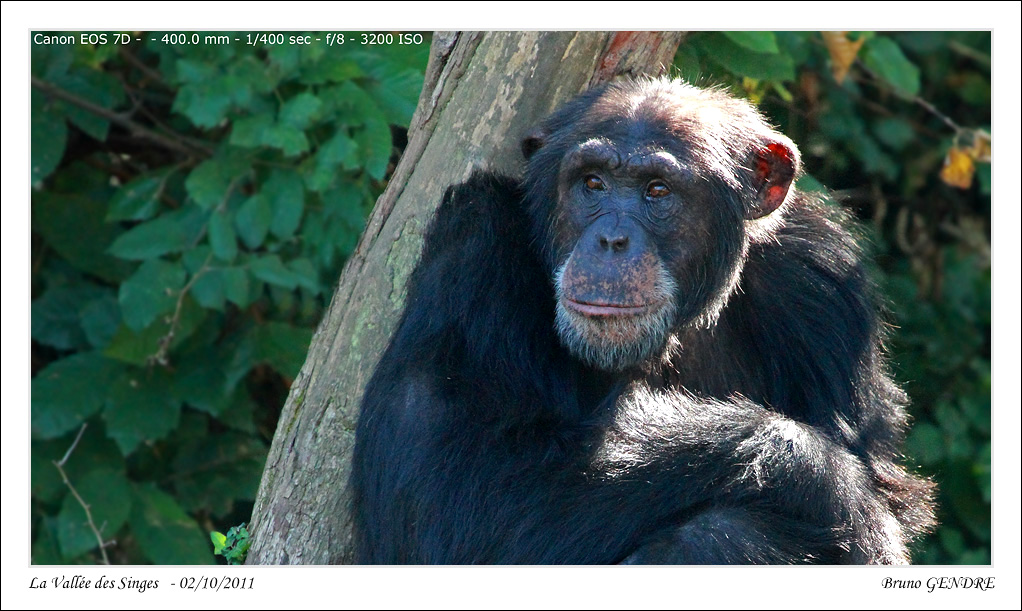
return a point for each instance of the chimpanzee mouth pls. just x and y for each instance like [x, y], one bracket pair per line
[610, 310]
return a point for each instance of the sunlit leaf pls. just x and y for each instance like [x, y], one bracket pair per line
[884, 57]
[842, 52]
[757, 42]
[958, 168]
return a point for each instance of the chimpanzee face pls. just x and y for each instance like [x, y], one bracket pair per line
[645, 206]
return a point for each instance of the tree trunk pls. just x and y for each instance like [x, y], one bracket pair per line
[481, 94]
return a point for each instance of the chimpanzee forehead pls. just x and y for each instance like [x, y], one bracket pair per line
[651, 140]
[657, 120]
[636, 153]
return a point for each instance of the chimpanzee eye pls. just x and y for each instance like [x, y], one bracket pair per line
[594, 182]
[657, 189]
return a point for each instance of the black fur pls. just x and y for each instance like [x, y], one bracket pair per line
[765, 431]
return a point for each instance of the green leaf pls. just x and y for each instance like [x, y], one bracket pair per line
[192, 71]
[270, 269]
[239, 413]
[153, 290]
[220, 470]
[108, 495]
[300, 111]
[56, 318]
[757, 42]
[208, 183]
[138, 347]
[49, 138]
[68, 391]
[205, 103]
[375, 146]
[73, 226]
[94, 451]
[896, 133]
[165, 533]
[239, 541]
[200, 381]
[720, 50]
[236, 286]
[99, 88]
[100, 319]
[286, 195]
[808, 183]
[139, 199]
[288, 139]
[397, 94]
[253, 220]
[884, 57]
[284, 58]
[50, 61]
[208, 289]
[222, 238]
[321, 171]
[306, 274]
[140, 408]
[167, 233]
[44, 548]
[283, 346]
[247, 76]
[330, 69]
[799, 46]
[250, 131]
[219, 540]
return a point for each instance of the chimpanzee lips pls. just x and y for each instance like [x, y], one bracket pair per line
[607, 309]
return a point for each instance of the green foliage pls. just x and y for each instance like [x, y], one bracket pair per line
[177, 279]
[233, 546]
[868, 139]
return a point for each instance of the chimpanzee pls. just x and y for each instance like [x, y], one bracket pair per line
[651, 349]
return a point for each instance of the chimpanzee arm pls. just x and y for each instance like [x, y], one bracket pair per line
[758, 487]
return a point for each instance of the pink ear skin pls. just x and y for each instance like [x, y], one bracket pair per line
[775, 169]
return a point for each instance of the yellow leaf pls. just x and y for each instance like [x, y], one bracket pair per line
[958, 168]
[842, 52]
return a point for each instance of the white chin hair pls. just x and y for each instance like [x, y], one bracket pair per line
[619, 342]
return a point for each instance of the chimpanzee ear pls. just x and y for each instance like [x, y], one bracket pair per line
[534, 141]
[774, 167]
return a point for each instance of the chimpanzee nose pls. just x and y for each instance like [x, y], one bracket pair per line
[618, 243]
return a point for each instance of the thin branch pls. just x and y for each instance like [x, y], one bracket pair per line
[141, 107]
[153, 75]
[916, 99]
[135, 128]
[67, 455]
[164, 345]
[161, 354]
[947, 120]
[88, 514]
[964, 50]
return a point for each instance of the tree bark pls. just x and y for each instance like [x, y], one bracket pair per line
[482, 92]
